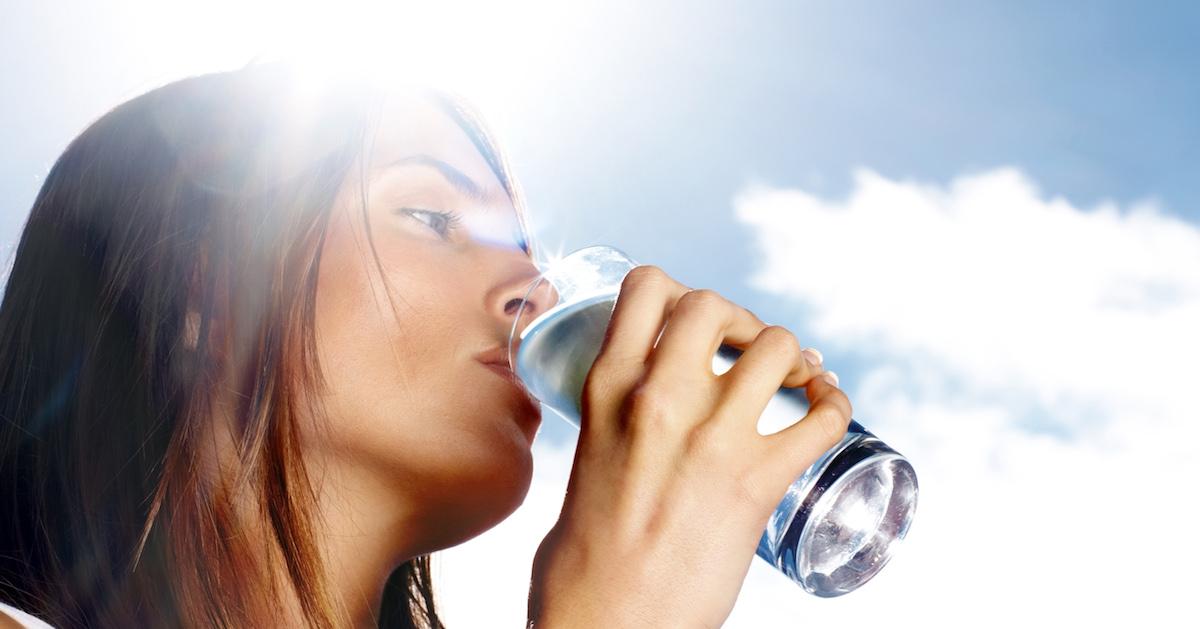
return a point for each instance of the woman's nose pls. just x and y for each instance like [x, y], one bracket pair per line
[504, 302]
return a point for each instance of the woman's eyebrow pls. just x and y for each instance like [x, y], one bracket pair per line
[457, 178]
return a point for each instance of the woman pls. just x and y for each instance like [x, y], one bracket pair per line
[252, 373]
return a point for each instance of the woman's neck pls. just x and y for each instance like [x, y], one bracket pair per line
[363, 531]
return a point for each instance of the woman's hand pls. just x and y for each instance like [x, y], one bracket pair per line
[672, 484]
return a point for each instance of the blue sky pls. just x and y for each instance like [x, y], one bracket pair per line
[1096, 100]
[672, 107]
[969, 207]
[676, 104]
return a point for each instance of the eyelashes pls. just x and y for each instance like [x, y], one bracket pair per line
[444, 223]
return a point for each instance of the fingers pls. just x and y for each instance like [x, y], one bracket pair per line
[701, 321]
[647, 295]
[773, 360]
[796, 447]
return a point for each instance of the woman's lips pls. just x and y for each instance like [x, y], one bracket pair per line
[495, 355]
[534, 409]
[501, 369]
[496, 359]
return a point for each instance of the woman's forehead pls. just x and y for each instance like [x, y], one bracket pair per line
[412, 126]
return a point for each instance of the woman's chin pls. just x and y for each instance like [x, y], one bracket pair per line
[508, 491]
[475, 507]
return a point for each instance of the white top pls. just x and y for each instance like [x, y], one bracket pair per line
[25, 620]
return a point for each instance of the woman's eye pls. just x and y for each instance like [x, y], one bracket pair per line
[441, 222]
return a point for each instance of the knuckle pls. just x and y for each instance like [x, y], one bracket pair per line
[703, 299]
[707, 441]
[648, 409]
[780, 339]
[644, 276]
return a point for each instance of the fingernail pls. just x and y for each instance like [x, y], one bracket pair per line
[830, 377]
[813, 357]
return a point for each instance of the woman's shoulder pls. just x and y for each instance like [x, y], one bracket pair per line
[13, 618]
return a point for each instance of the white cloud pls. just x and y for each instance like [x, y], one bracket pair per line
[1033, 359]
[1030, 357]
[1011, 293]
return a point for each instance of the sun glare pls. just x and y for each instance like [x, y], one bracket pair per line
[496, 55]
[489, 52]
[493, 53]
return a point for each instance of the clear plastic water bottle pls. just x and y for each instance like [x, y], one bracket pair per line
[840, 520]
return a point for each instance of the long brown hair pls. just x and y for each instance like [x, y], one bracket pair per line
[172, 251]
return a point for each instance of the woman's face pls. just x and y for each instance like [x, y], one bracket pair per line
[416, 420]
